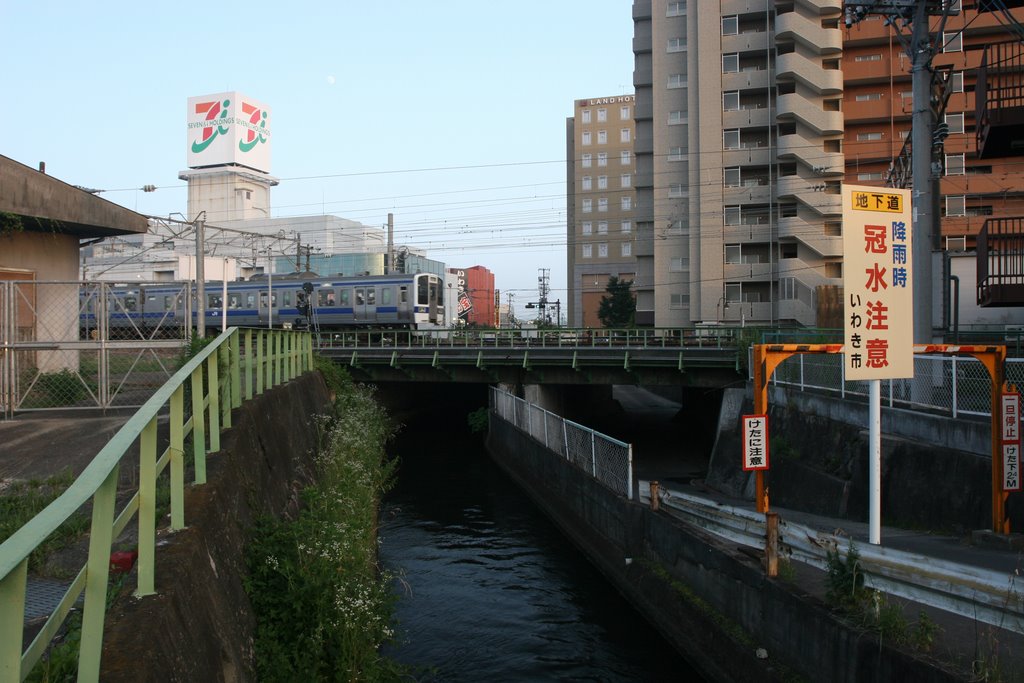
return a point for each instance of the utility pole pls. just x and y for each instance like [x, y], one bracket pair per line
[542, 289]
[200, 226]
[389, 258]
[919, 48]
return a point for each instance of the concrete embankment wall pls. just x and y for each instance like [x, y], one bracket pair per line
[936, 472]
[717, 608]
[199, 626]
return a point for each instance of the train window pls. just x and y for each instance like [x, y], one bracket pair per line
[421, 292]
[360, 299]
[213, 301]
[168, 303]
[130, 303]
[263, 299]
[403, 295]
[386, 296]
[371, 296]
[287, 298]
[433, 291]
[250, 301]
[234, 302]
[346, 297]
[325, 297]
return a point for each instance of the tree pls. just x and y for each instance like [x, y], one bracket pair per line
[618, 307]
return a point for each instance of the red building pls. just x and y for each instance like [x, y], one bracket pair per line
[476, 296]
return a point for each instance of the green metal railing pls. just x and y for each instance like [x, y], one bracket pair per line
[251, 362]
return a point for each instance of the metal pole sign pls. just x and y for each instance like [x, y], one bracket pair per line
[878, 324]
[755, 442]
[1010, 404]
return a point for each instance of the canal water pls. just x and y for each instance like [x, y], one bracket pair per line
[489, 589]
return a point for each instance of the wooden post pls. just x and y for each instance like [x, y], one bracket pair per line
[771, 546]
[654, 496]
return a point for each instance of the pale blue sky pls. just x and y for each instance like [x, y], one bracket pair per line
[357, 91]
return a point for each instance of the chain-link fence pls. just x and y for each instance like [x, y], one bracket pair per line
[608, 460]
[954, 384]
[86, 344]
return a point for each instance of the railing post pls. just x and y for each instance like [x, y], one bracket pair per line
[235, 358]
[213, 380]
[800, 356]
[227, 400]
[147, 507]
[565, 438]
[198, 426]
[259, 362]
[629, 472]
[177, 457]
[12, 622]
[953, 399]
[97, 571]
[593, 454]
[249, 351]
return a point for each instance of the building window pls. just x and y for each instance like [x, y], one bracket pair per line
[602, 204]
[732, 215]
[588, 205]
[602, 158]
[602, 182]
[587, 182]
[732, 177]
[953, 41]
[624, 135]
[869, 136]
[956, 80]
[586, 137]
[955, 164]
[678, 300]
[626, 180]
[588, 251]
[869, 176]
[602, 227]
[626, 157]
[731, 100]
[624, 113]
[678, 265]
[588, 228]
[602, 115]
[675, 153]
[956, 205]
[733, 254]
[955, 122]
[677, 80]
[602, 137]
[868, 58]
[627, 203]
[731, 138]
[676, 117]
[676, 44]
[602, 250]
[676, 9]
[627, 249]
[730, 25]
[869, 97]
[585, 161]
[731, 63]
[585, 115]
[675, 190]
[627, 226]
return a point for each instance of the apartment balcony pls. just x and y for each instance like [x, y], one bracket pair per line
[1000, 253]
[642, 43]
[751, 192]
[999, 101]
[809, 151]
[810, 112]
[796, 67]
[742, 80]
[746, 118]
[642, 9]
[746, 272]
[855, 73]
[643, 77]
[806, 31]
[745, 42]
[753, 154]
[748, 232]
[811, 234]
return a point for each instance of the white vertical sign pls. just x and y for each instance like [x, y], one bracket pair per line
[1010, 429]
[877, 283]
[755, 442]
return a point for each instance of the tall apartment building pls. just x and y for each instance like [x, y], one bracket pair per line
[878, 112]
[601, 202]
[739, 158]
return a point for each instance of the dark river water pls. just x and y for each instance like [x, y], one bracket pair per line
[491, 591]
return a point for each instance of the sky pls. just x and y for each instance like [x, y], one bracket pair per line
[450, 114]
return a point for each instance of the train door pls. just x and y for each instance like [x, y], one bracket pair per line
[365, 305]
[268, 308]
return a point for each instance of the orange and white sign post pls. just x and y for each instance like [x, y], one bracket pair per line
[879, 309]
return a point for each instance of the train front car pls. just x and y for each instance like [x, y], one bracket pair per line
[428, 310]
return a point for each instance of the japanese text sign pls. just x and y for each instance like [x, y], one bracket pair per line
[755, 442]
[1010, 428]
[877, 283]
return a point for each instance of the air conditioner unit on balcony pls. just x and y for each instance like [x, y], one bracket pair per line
[956, 243]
